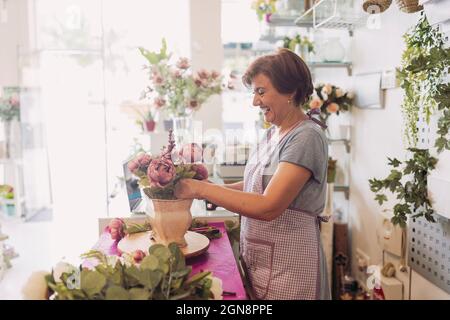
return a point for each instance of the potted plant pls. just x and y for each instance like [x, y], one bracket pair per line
[7, 193]
[264, 8]
[9, 111]
[170, 217]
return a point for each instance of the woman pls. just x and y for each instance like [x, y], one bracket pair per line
[283, 192]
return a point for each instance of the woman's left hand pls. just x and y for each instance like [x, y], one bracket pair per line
[188, 189]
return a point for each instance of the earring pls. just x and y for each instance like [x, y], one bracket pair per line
[289, 101]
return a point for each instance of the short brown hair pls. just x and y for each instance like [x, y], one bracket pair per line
[287, 72]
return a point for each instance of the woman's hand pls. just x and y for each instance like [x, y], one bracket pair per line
[189, 189]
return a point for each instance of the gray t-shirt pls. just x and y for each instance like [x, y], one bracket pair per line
[306, 146]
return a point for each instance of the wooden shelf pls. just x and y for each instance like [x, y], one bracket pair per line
[345, 189]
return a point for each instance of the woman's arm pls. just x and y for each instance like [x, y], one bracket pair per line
[284, 186]
[235, 186]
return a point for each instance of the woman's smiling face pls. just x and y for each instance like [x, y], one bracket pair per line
[274, 105]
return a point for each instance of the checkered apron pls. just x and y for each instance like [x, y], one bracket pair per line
[281, 258]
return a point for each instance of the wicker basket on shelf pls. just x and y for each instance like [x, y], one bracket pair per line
[376, 6]
[409, 6]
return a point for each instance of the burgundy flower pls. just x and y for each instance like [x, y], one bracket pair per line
[191, 153]
[201, 173]
[198, 82]
[138, 255]
[161, 172]
[116, 229]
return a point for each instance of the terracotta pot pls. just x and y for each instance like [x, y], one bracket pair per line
[170, 220]
[150, 125]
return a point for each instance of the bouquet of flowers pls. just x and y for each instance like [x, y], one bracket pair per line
[329, 99]
[159, 175]
[9, 108]
[174, 87]
[159, 274]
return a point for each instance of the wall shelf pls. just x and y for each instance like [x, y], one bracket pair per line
[346, 142]
[345, 189]
[346, 65]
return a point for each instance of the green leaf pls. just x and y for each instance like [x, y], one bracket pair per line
[116, 293]
[160, 251]
[380, 198]
[150, 262]
[139, 294]
[394, 162]
[92, 282]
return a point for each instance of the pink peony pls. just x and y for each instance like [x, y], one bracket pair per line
[201, 171]
[183, 63]
[333, 107]
[116, 229]
[161, 172]
[141, 163]
[315, 103]
[191, 153]
[138, 255]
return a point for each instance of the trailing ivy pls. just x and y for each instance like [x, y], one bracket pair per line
[443, 100]
[424, 63]
[412, 194]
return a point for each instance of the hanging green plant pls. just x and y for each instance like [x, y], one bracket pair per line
[443, 100]
[412, 193]
[424, 64]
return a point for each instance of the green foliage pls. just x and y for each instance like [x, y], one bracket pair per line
[412, 195]
[424, 63]
[162, 275]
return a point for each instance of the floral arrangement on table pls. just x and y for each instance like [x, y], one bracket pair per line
[6, 191]
[159, 175]
[159, 274]
[264, 8]
[330, 100]
[9, 108]
[174, 88]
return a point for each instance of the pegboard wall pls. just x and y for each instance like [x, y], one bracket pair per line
[429, 250]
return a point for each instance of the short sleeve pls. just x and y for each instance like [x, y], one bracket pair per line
[307, 148]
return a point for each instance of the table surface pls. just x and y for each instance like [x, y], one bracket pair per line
[219, 259]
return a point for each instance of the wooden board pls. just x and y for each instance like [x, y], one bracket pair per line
[196, 243]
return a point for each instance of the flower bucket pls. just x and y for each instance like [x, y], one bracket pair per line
[170, 220]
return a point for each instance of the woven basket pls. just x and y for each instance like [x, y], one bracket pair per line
[409, 6]
[370, 6]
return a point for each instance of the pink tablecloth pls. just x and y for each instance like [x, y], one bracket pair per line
[219, 259]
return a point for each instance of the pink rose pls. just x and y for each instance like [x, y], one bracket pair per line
[201, 171]
[160, 172]
[333, 107]
[116, 229]
[138, 255]
[315, 103]
[183, 63]
[191, 153]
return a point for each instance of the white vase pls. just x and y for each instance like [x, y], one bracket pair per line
[170, 220]
[333, 50]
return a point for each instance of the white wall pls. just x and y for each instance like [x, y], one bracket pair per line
[377, 134]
